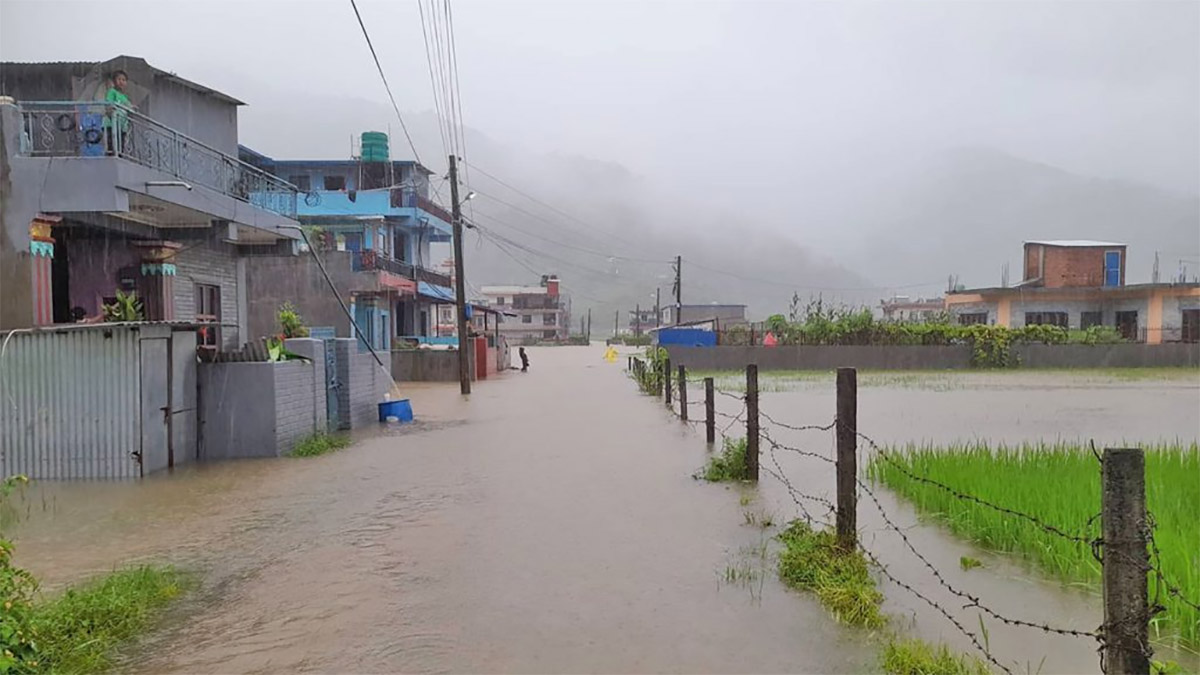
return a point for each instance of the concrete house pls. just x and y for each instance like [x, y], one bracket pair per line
[98, 197]
[371, 220]
[532, 313]
[1080, 284]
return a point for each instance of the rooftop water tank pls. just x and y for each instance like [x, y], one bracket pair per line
[374, 146]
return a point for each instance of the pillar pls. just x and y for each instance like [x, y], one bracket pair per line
[156, 279]
[41, 252]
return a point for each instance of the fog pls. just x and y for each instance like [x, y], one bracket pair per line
[810, 147]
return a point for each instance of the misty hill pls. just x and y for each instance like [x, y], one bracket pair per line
[968, 211]
[610, 232]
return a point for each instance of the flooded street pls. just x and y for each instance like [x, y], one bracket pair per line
[550, 523]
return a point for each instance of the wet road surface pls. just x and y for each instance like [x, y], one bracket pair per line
[547, 524]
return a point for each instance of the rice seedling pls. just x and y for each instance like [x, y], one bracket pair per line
[1059, 483]
[812, 561]
[916, 657]
[729, 465]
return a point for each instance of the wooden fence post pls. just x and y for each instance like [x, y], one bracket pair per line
[752, 422]
[1124, 531]
[666, 381]
[683, 394]
[710, 412]
[847, 460]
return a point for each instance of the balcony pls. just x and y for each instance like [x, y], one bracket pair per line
[412, 200]
[90, 129]
[368, 261]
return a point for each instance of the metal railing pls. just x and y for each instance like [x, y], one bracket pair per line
[367, 261]
[91, 129]
[407, 198]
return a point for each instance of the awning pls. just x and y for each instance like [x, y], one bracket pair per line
[435, 293]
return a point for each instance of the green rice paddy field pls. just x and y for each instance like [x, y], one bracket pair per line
[1060, 484]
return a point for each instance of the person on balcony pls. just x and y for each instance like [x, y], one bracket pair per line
[118, 115]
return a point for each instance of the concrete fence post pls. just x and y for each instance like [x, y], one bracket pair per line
[1124, 531]
[710, 412]
[683, 401]
[847, 459]
[752, 422]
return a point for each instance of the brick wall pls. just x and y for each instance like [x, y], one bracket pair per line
[363, 384]
[295, 388]
[208, 262]
[1077, 266]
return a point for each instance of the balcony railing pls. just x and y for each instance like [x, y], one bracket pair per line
[90, 129]
[410, 199]
[366, 261]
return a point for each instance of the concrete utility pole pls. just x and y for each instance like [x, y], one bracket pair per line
[589, 328]
[637, 320]
[460, 282]
[616, 322]
[658, 307]
[678, 287]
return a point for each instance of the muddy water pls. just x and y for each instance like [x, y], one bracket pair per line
[550, 524]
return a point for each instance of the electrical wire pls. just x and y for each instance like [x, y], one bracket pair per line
[573, 247]
[386, 86]
[784, 284]
[437, 105]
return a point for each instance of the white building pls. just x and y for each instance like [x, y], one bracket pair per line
[532, 312]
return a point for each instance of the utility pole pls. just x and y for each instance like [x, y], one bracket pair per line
[678, 287]
[460, 282]
[616, 322]
[637, 320]
[658, 307]
[589, 327]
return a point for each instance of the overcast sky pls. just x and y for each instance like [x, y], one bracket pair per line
[773, 90]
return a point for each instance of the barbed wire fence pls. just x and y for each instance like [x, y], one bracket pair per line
[1124, 544]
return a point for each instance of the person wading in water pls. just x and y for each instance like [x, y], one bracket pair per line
[524, 359]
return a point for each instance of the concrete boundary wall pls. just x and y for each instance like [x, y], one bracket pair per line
[953, 357]
[429, 365]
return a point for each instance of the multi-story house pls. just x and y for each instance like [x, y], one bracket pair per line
[371, 221]
[147, 197]
[120, 179]
[1080, 284]
[531, 313]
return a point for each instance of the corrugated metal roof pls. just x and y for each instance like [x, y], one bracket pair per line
[1069, 243]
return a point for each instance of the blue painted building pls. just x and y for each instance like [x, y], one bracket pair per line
[372, 220]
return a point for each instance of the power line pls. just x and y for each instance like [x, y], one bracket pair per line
[437, 105]
[583, 249]
[386, 86]
[784, 284]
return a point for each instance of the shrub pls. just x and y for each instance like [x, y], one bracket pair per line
[291, 323]
[319, 443]
[811, 560]
[729, 465]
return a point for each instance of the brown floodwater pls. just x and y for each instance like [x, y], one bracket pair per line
[549, 523]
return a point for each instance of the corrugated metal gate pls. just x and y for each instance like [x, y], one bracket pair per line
[96, 401]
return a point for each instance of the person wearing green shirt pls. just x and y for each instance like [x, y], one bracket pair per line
[119, 105]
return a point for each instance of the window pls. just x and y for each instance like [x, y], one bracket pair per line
[1089, 319]
[208, 309]
[500, 300]
[335, 182]
[548, 334]
[548, 319]
[528, 318]
[301, 182]
[972, 318]
[1191, 325]
[1046, 319]
[1127, 325]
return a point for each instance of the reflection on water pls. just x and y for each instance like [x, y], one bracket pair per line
[548, 523]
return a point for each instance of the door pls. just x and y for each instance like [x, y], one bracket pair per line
[1112, 268]
[183, 447]
[1127, 325]
[155, 368]
[385, 330]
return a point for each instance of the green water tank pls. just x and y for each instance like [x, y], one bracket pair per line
[374, 146]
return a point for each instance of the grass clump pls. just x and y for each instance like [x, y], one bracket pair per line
[729, 464]
[1059, 483]
[812, 561]
[319, 443]
[917, 657]
[79, 631]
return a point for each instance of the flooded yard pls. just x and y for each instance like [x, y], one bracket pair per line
[550, 523]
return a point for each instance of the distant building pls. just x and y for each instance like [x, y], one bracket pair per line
[726, 315]
[531, 313]
[1080, 284]
[642, 320]
[904, 308]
